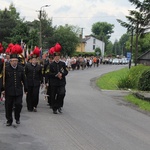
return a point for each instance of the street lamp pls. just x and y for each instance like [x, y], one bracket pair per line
[40, 11]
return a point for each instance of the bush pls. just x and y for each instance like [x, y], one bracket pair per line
[131, 80]
[124, 83]
[144, 81]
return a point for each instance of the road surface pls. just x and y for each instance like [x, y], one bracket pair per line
[91, 120]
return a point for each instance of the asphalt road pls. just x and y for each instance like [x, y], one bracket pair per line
[91, 120]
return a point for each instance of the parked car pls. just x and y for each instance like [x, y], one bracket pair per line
[115, 61]
[124, 61]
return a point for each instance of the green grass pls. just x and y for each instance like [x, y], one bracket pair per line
[109, 81]
[144, 105]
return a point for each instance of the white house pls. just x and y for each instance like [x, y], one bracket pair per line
[91, 43]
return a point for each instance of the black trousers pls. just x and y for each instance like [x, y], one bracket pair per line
[57, 96]
[1, 85]
[49, 95]
[13, 102]
[32, 98]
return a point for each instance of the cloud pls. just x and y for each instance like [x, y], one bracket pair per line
[82, 13]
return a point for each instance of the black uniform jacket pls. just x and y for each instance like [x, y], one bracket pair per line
[33, 74]
[54, 69]
[14, 80]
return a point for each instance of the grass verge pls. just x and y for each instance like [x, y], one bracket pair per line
[110, 80]
[144, 105]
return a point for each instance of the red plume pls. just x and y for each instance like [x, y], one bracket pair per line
[51, 50]
[8, 50]
[58, 47]
[10, 46]
[16, 49]
[1, 48]
[36, 51]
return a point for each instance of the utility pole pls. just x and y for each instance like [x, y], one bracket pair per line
[81, 37]
[131, 46]
[40, 18]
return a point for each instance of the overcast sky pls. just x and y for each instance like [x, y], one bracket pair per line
[82, 13]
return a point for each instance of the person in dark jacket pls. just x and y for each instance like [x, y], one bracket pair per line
[1, 69]
[33, 72]
[48, 80]
[58, 72]
[14, 81]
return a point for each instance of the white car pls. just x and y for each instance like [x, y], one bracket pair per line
[115, 61]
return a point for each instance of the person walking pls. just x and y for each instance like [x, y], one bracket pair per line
[47, 77]
[14, 80]
[33, 72]
[58, 72]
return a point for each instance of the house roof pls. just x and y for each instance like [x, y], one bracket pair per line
[140, 57]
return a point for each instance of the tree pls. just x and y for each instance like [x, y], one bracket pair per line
[9, 22]
[138, 21]
[103, 31]
[98, 51]
[116, 48]
[122, 42]
[67, 36]
[109, 48]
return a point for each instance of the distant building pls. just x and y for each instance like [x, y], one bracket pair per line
[90, 43]
[144, 58]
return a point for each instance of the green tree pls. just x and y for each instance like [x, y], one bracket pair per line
[138, 21]
[9, 21]
[109, 48]
[98, 51]
[103, 31]
[20, 32]
[67, 36]
[122, 42]
[116, 48]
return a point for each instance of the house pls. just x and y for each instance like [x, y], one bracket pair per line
[144, 58]
[90, 43]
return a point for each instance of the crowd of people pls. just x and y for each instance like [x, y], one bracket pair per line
[18, 77]
[76, 63]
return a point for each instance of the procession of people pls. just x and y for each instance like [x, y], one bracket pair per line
[18, 77]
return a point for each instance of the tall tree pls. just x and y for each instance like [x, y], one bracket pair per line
[138, 21]
[103, 31]
[67, 36]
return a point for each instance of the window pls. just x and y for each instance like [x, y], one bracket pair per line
[93, 47]
[94, 41]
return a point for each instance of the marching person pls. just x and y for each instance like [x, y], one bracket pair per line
[1, 69]
[47, 77]
[58, 72]
[33, 72]
[14, 81]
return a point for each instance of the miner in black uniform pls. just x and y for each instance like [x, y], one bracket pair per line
[48, 79]
[14, 81]
[58, 72]
[1, 74]
[34, 76]
[1, 69]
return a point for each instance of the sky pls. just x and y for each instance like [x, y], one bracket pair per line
[81, 13]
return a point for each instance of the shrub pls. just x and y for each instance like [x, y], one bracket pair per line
[131, 80]
[124, 83]
[144, 81]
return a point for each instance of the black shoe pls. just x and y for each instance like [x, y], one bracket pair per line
[59, 110]
[17, 122]
[54, 111]
[8, 123]
[34, 109]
